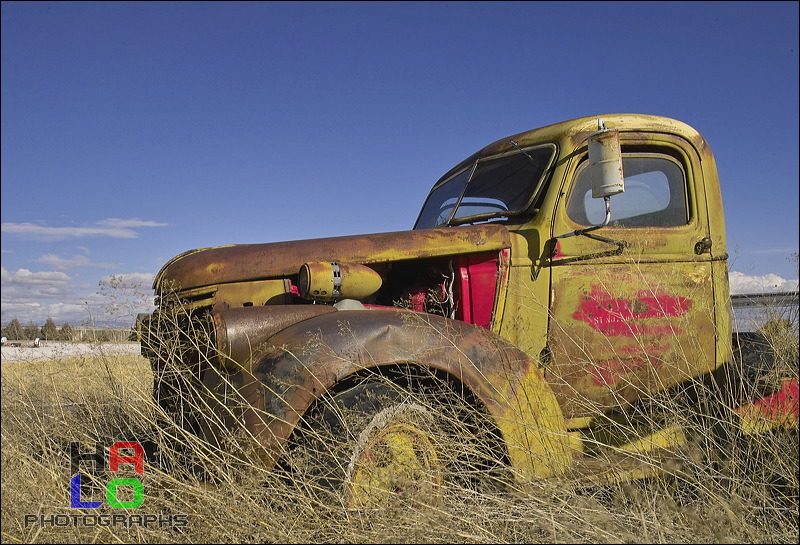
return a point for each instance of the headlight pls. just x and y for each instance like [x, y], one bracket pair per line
[331, 281]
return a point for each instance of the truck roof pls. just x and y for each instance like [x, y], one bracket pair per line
[578, 129]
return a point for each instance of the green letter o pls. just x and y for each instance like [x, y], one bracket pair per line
[111, 493]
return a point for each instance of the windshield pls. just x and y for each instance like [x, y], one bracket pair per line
[492, 189]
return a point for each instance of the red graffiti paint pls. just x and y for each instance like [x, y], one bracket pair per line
[610, 372]
[782, 406]
[635, 358]
[625, 317]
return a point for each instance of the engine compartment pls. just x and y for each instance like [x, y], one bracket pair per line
[460, 287]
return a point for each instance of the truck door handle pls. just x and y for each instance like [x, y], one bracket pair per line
[702, 246]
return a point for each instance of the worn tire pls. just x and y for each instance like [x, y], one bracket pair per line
[377, 445]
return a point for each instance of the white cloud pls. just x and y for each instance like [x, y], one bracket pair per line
[26, 278]
[131, 222]
[110, 227]
[25, 294]
[37, 313]
[33, 297]
[743, 283]
[62, 264]
[133, 279]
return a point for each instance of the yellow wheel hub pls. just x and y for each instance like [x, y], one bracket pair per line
[398, 464]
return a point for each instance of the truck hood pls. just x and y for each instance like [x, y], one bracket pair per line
[247, 262]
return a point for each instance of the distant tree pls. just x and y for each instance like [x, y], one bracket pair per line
[31, 331]
[66, 332]
[13, 331]
[49, 330]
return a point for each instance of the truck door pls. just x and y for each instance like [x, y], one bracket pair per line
[631, 312]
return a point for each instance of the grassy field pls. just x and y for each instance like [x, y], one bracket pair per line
[102, 398]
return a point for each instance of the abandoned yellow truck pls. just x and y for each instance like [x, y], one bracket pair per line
[557, 284]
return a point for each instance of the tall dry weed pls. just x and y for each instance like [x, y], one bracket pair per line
[725, 486]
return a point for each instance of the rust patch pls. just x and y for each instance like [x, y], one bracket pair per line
[624, 317]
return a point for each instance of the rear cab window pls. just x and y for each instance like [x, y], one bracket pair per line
[655, 195]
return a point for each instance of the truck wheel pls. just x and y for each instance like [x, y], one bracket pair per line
[377, 445]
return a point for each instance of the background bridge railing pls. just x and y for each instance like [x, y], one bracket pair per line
[752, 310]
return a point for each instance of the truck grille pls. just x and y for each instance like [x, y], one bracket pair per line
[178, 339]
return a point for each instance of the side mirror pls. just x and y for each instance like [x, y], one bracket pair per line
[605, 163]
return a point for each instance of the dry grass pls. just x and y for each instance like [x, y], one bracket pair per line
[748, 496]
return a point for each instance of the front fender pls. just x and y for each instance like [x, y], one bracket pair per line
[297, 365]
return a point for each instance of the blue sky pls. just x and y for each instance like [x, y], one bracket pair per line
[133, 131]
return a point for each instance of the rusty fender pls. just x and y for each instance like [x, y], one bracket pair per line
[242, 332]
[297, 365]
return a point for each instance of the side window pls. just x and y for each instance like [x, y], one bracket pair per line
[655, 195]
